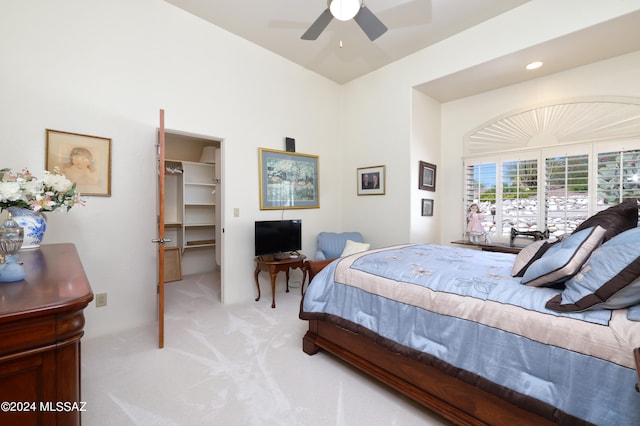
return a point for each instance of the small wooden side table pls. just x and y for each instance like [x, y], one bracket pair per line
[272, 265]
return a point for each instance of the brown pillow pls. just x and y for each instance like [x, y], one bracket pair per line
[615, 219]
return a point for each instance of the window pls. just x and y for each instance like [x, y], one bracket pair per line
[618, 177]
[555, 194]
[506, 193]
[519, 196]
[481, 190]
[566, 193]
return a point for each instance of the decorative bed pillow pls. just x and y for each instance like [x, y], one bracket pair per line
[529, 254]
[610, 279]
[563, 259]
[615, 219]
[351, 247]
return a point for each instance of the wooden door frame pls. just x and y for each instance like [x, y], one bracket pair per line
[161, 215]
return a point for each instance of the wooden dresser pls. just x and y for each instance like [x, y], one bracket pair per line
[41, 323]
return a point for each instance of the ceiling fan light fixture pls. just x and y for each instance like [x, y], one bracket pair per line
[344, 10]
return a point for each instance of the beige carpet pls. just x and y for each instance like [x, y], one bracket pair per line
[230, 365]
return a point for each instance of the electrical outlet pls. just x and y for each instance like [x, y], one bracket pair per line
[101, 300]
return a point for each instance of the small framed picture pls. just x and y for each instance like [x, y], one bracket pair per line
[427, 175]
[427, 207]
[371, 180]
[83, 159]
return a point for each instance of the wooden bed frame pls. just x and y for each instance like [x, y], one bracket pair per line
[446, 395]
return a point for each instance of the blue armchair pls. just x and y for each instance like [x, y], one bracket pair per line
[331, 244]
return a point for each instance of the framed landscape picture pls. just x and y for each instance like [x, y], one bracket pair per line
[288, 180]
[83, 159]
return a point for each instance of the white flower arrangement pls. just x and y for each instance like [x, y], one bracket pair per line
[52, 192]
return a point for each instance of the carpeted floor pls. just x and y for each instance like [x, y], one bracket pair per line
[230, 365]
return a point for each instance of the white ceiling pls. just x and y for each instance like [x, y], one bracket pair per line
[606, 40]
[413, 25]
[278, 24]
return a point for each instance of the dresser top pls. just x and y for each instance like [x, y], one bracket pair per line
[55, 282]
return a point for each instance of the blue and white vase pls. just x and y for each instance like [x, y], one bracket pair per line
[34, 224]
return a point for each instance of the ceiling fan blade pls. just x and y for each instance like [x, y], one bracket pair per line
[318, 26]
[369, 23]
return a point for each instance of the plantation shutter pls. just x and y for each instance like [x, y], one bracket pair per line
[566, 193]
[618, 177]
[480, 184]
[519, 195]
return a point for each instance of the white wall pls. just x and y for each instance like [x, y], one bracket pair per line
[376, 131]
[105, 68]
[425, 129]
[381, 116]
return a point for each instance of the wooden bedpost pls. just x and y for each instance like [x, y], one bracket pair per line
[309, 346]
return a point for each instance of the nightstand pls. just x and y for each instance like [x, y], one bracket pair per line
[273, 265]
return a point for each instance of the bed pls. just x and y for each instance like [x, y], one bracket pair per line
[455, 330]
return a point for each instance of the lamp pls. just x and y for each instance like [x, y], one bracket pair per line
[208, 155]
[344, 10]
[493, 213]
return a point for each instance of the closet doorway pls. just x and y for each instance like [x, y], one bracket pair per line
[189, 209]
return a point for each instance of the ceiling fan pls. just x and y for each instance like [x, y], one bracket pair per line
[345, 10]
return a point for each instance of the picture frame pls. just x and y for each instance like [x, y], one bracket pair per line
[427, 176]
[83, 159]
[371, 180]
[288, 180]
[427, 207]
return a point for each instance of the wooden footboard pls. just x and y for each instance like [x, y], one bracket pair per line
[448, 396]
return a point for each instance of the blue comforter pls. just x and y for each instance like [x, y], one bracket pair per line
[463, 307]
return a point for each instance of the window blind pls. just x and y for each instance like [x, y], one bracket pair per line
[519, 196]
[481, 185]
[558, 191]
[566, 193]
[618, 177]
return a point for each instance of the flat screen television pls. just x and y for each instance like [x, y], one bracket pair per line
[278, 237]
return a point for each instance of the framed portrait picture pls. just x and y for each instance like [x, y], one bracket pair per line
[371, 180]
[427, 207]
[427, 176]
[288, 180]
[83, 159]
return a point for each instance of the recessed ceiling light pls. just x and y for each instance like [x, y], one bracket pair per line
[534, 65]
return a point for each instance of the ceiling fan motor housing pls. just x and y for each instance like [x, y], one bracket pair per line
[344, 10]
[360, 13]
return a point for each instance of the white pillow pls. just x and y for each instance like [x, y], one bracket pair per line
[351, 247]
